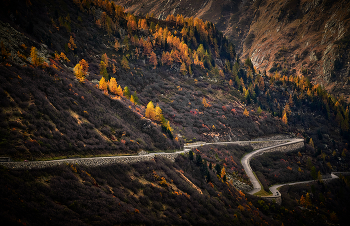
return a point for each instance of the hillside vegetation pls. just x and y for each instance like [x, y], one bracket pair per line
[87, 78]
[79, 79]
[298, 37]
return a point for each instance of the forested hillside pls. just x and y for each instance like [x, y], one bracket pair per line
[84, 78]
[299, 37]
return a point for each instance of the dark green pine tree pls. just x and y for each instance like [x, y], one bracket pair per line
[190, 155]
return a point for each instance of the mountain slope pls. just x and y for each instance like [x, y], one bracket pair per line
[47, 112]
[290, 36]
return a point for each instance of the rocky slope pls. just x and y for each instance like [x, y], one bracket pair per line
[289, 36]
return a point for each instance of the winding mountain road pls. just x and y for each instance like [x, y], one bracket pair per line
[274, 188]
[262, 147]
[247, 168]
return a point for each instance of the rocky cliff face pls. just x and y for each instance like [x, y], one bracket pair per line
[309, 37]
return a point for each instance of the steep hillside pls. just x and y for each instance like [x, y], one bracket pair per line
[51, 108]
[289, 37]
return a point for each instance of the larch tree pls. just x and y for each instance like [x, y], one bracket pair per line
[79, 73]
[105, 59]
[246, 113]
[126, 92]
[113, 86]
[287, 109]
[103, 70]
[132, 99]
[119, 91]
[205, 103]
[150, 111]
[36, 60]
[223, 172]
[183, 68]
[102, 84]
[71, 44]
[84, 66]
[167, 126]
[136, 98]
[158, 113]
[311, 142]
[284, 118]
[153, 60]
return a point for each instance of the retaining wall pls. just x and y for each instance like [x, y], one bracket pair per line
[91, 162]
[99, 161]
[283, 148]
[277, 199]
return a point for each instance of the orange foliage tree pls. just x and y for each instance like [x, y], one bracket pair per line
[36, 60]
[71, 43]
[84, 65]
[153, 59]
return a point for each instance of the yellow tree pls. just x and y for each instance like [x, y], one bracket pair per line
[153, 59]
[167, 125]
[246, 113]
[79, 73]
[311, 142]
[104, 58]
[158, 113]
[285, 119]
[223, 172]
[119, 91]
[287, 109]
[205, 103]
[113, 86]
[34, 55]
[132, 99]
[150, 111]
[103, 84]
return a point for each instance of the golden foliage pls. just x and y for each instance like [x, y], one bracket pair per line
[36, 61]
[103, 84]
[285, 119]
[79, 73]
[158, 113]
[150, 111]
[71, 44]
[113, 86]
[205, 103]
[246, 113]
[153, 59]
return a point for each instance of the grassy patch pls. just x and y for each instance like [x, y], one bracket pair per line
[262, 192]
